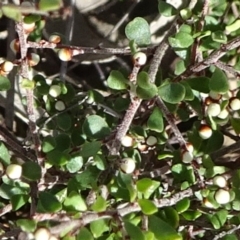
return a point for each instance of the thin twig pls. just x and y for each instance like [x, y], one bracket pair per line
[211, 59]
[83, 50]
[224, 233]
[131, 208]
[29, 92]
[227, 68]
[124, 126]
[30, 111]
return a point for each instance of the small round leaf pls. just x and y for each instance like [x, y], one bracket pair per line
[31, 171]
[155, 121]
[139, 31]
[95, 127]
[148, 93]
[166, 9]
[172, 92]
[49, 202]
[147, 206]
[116, 80]
[219, 82]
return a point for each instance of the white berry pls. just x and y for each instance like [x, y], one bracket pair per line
[55, 91]
[33, 59]
[140, 58]
[151, 141]
[127, 141]
[222, 196]
[215, 95]
[220, 181]
[223, 114]
[187, 157]
[189, 147]
[213, 109]
[42, 233]
[127, 165]
[60, 106]
[55, 38]
[65, 54]
[7, 66]
[14, 171]
[28, 27]
[234, 104]
[205, 132]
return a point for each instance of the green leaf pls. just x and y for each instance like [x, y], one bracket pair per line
[200, 84]
[31, 18]
[90, 149]
[139, 31]
[132, 192]
[48, 144]
[53, 5]
[27, 84]
[143, 80]
[219, 218]
[155, 121]
[182, 205]
[18, 201]
[98, 227]
[4, 83]
[4, 155]
[148, 93]
[88, 177]
[189, 96]
[235, 122]
[75, 164]
[230, 237]
[95, 127]
[181, 40]
[12, 11]
[100, 205]
[133, 231]
[7, 191]
[74, 202]
[149, 235]
[233, 26]
[31, 171]
[116, 80]
[57, 157]
[170, 215]
[219, 36]
[166, 9]
[147, 206]
[214, 143]
[172, 92]
[64, 121]
[162, 230]
[27, 225]
[219, 82]
[147, 186]
[180, 67]
[191, 215]
[84, 234]
[49, 202]
[63, 141]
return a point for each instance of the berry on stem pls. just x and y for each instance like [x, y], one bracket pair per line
[205, 131]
